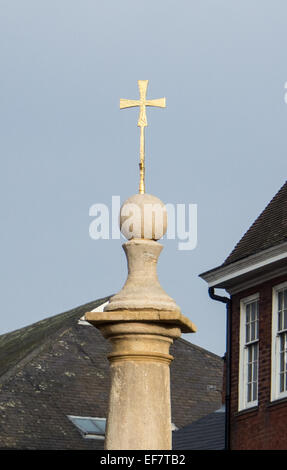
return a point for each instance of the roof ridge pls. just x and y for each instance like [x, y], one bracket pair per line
[68, 313]
[249, 237]
[19, 344]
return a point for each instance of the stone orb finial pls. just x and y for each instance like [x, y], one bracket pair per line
[143, 216]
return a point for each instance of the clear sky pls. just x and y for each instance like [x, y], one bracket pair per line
[221, 143]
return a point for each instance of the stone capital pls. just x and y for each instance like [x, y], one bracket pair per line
[163, 318]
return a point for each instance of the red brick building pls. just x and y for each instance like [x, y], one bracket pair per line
[255, 277]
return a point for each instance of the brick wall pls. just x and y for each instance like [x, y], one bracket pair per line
[264, 426]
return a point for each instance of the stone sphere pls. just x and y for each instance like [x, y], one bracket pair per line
[143, 216]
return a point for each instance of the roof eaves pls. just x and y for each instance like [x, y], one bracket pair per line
[218, 277]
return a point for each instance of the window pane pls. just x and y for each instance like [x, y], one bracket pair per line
[252, 372]
[253, 311]
[253, 337]
[247, 332]
[282, 310]
[101, 425]
[249, 394]
[281, 382]
[247, 313]
[280, 298]
[282, 342]
[85, 424]
[255, 373]
[249, 354]
[257, 320]
[254, 391]
[279, 320]
[249, 373]
[282, 363]
[251, 321]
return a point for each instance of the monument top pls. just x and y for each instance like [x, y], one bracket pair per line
[142, 123]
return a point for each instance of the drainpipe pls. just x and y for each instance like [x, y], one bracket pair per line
[227, 301]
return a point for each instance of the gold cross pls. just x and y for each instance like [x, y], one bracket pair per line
[142, 122]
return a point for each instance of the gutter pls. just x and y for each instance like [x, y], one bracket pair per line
[227, 301]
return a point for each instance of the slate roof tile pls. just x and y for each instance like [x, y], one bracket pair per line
[208, 433]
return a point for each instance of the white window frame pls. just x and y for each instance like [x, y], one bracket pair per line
[87, 434]
[243, 351]
[275, 346]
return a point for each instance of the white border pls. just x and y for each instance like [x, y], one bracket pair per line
[222, 274]
[242, 376]
[275, 356]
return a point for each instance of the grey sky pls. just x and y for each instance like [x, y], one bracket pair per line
[65, 145]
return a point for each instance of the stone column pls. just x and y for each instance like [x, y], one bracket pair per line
[139, 409]
[141, 322]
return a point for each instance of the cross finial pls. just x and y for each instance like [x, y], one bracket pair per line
[142, 122]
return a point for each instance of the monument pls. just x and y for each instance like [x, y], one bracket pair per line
[141, 322]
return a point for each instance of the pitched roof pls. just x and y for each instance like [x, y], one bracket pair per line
[17, 345]
[208, 433]
[58, 367]
[53, 370]
[268, 230]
